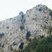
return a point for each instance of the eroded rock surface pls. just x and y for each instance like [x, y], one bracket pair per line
[15, 32]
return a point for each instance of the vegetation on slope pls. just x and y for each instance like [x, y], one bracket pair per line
[42, 44]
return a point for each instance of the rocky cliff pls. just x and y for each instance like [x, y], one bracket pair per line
[16, 32]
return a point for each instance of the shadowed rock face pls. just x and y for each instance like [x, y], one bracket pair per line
[36, 22]
[22, 20]
[28, 34]
[1, 35]
[21, 45]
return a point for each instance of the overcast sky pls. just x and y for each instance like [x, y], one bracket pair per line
[11, 8]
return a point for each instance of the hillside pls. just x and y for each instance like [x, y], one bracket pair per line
[15, 33]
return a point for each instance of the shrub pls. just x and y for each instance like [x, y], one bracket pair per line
[7, 27]
[28, 34]
[40, 9]
[21, 27]
[21, 45]
[45, 45]
[40, 45]
[50, 13]
[1, 35]
[31, 46]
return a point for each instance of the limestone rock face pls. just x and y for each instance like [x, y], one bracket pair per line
[14, 32]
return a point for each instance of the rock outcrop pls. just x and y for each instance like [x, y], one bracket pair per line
[15, 32]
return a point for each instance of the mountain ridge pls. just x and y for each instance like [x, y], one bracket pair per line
[15, 32]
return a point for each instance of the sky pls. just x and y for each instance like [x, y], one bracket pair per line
[11, 8]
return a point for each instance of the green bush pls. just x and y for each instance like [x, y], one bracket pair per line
[31, 46]
[50, 13]
[43, 44]
[1, 35]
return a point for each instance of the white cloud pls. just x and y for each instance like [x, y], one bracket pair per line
[11, 8]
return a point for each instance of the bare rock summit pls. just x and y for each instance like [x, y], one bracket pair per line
[15, 32]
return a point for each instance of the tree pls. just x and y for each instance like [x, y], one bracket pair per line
[40, 45]
[45, 45]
